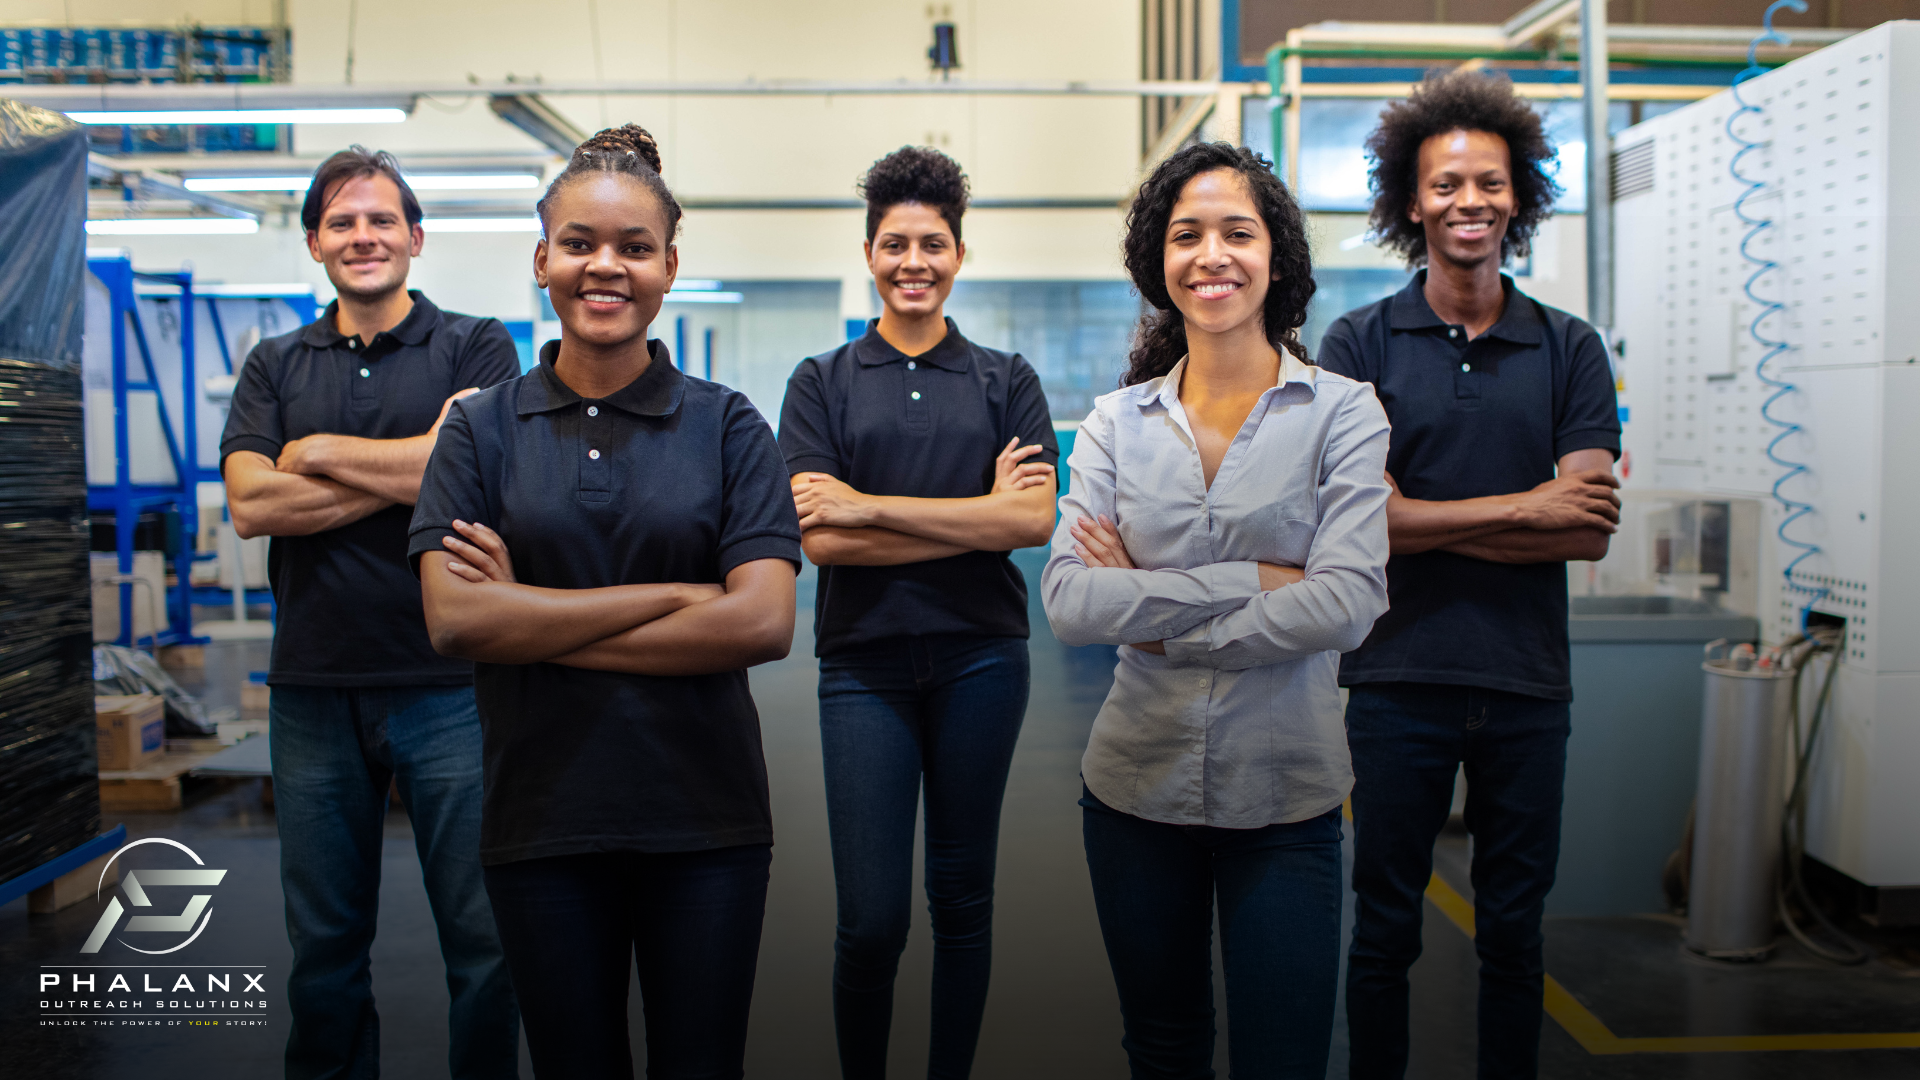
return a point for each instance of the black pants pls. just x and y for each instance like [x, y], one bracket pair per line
[690, 919]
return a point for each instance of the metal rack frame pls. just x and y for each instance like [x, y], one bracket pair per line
[127, 500]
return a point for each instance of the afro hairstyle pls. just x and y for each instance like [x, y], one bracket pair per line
[1457, 100]
[914, 174]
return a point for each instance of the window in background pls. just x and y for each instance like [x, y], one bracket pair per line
[1074, 333]
[1340, 290]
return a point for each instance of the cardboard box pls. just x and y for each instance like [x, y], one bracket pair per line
[131, 730]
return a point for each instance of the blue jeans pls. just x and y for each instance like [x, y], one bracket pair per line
[1408, 741]
[689, 920]
[947, 708]
[1278, 888]
[336, 753]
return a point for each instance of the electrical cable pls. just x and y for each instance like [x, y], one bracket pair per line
[1793, 509]
[1793, 824]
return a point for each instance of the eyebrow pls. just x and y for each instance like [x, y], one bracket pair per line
[628, 231]
[1196, 221]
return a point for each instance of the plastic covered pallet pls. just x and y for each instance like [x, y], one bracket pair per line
[49, 787]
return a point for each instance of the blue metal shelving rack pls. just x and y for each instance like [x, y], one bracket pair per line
[127, 500]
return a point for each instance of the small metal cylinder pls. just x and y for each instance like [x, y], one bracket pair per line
[1738, 810]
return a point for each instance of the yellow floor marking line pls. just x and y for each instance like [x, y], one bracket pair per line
[1595, 1038]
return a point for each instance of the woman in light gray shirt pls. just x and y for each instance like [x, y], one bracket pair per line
[1226, 526]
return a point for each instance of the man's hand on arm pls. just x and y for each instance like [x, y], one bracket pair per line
[843, 526]
[388, 468]
[264, 501]
[1569, 518]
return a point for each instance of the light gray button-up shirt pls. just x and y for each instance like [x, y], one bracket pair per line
[1239, 725]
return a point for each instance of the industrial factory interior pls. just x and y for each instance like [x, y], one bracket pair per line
[1108, 538]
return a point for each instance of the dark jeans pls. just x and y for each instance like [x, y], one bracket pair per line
[947, 708]
[336, 753]
[1408, 740]
[691, 922]
[1278, 889]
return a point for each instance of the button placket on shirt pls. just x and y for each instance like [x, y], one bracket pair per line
[596, 464]
[915, 396]
[1466, 384]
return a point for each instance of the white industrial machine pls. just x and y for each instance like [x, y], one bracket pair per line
[1769, 349]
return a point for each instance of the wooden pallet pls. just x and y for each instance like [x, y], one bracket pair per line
[156, 787]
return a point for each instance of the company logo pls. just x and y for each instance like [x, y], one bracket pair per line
[134, 885]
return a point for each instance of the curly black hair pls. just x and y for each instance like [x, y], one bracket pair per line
[1160, 340]
[1457, 100]
[630, 150]
[914, 174]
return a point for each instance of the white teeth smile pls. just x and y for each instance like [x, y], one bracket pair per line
[1211, 291]
[602, 298]
[1471, 228]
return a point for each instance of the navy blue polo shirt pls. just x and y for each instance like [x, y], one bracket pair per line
[349, 610]
[928, 427]
[1491, 416]
[669, 479]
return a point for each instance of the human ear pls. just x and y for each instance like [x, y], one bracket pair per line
[313, 246]
[540, 263]
[417, 239]
[673, 265]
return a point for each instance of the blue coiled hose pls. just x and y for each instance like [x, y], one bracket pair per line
[1772, 347]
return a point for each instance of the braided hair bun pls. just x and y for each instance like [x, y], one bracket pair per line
[625, 139]
[630, 150]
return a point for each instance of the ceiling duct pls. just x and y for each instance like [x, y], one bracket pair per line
[538, 119]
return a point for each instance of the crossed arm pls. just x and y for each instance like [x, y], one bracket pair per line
[476, 610]
[322, 482]
[1567, 518]
[844, 527]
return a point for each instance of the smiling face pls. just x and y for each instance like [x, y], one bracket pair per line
[914, 256]
[1219, 255]
[364, 239]
[607, 259]
[1465, 196]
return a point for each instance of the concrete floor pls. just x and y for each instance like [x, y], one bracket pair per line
[1053, 1012]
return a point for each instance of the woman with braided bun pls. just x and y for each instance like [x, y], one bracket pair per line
[612, 543]
[919, 460]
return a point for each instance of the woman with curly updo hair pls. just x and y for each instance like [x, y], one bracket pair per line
[1225, 526]
[611, 541]
[919, 460]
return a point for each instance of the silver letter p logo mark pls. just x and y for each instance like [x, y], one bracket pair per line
[135, 884]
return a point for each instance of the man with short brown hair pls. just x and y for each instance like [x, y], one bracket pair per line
[330, 431]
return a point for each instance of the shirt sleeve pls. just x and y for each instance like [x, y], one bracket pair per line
[757, 516]
[253, 420]
[1029, 418]
[450, 488]
[1345, 590]
[1590, 412]
[1340, 351]
[490, 357]
[806, 427]
[1089, 605]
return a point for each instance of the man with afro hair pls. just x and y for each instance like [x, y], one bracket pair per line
[1505, 430]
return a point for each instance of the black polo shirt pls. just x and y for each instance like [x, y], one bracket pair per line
[928, 427]
[1491, 416]
[668, 479]
[349, 610]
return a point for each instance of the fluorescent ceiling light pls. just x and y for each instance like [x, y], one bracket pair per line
[478, 182]
[472, 224]
[243, 116]
[695, 285]
[678, 297]
[171, 226]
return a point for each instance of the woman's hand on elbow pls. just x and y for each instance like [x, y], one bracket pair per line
[1098, 543]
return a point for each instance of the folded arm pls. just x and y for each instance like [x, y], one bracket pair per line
[1333, 607]
[832, 545]
[267, 502]
[1582, 497]
[842, 526]
[389, 468]
[751, 623]
[1543, 543]
[1089, 602]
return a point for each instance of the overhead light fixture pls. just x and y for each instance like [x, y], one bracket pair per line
[678, 297]
[696, 285]
[241, 116]
[183, 226]
[478, 182]
[482, 224]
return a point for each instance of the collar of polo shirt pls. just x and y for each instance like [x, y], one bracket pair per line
[1519, 323]
[949, 355]
[420, 323]
[657, 392]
